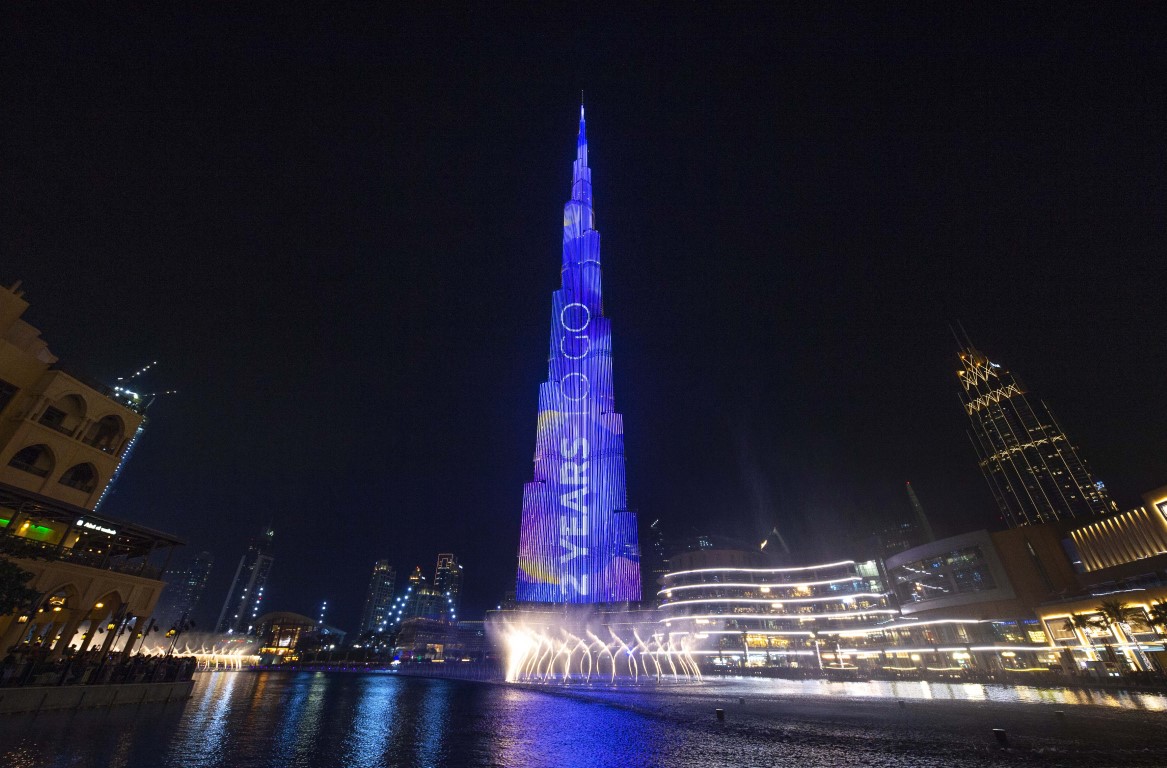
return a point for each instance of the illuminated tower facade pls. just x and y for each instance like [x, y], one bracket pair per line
[244, 599]
[1032, 470]
[578, 542]
[379, 599]
[448, 581]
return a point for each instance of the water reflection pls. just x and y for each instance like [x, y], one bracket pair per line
[301, 720]
[572, 733]
[1153, 702]
[434, 720]
[289, 720]
[203, 735]
[366, 745]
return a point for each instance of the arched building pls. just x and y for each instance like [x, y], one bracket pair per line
[62, 440]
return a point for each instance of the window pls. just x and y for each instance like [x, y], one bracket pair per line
[53, 417]
[106, 434]
[83, 477]
[35, 459]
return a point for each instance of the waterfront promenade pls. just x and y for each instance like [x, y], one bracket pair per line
[30, 682]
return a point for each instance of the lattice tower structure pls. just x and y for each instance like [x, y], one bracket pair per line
[1033, 471]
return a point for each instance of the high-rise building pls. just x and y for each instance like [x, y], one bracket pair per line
[420, 601]
[655, 555]
[244, 600]
[578, 542]
[183, 591]
[375, 616]
[1032, 469]
[448, 581]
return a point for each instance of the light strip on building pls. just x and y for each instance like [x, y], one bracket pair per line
[757, 585]
[770, 601]
[795, 617]
[762, 570]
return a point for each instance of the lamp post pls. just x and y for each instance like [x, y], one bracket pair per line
[182, 625]
[143, 635]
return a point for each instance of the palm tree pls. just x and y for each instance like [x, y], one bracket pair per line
[1112, 613]
[1157, 617]
[1080, 622]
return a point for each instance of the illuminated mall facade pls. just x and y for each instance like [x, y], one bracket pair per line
[733, 609]
[1072, 585]
[1026, 600]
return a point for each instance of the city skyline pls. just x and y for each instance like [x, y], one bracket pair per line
[344, 278]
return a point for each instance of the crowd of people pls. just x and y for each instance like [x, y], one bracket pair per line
[23, 667]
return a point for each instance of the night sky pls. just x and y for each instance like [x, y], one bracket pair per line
[338, 234]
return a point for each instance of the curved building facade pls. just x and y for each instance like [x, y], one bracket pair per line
[731, 609]
[723, 608]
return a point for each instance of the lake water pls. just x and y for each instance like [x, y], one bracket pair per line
[319, 720]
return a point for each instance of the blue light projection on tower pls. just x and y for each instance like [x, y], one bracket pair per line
[578, 542]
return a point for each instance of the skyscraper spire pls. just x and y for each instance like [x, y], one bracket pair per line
[581, 175]
[578, 543]
[921, 518]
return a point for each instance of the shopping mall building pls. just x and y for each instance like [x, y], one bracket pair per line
[988, 603]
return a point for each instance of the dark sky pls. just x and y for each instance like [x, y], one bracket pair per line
[337, 233]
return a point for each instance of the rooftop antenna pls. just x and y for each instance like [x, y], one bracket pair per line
[777, 536]
[955, 336]
[967, 340]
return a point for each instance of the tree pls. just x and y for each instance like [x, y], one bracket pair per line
[14, 594]
[1112, 613]
[1157, 617]
[1084, 624]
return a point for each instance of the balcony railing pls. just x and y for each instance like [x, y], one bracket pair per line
[32, 469]
[57, 427]
[102, 444]
[16, 546]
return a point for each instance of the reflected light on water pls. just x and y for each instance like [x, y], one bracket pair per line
[922, 690]
[203, 735]
[367, 743]
[322, 720]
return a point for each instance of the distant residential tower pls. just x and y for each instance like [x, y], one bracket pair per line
[244, 600]
[448, 581]
[379, 599]
[183, 591]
